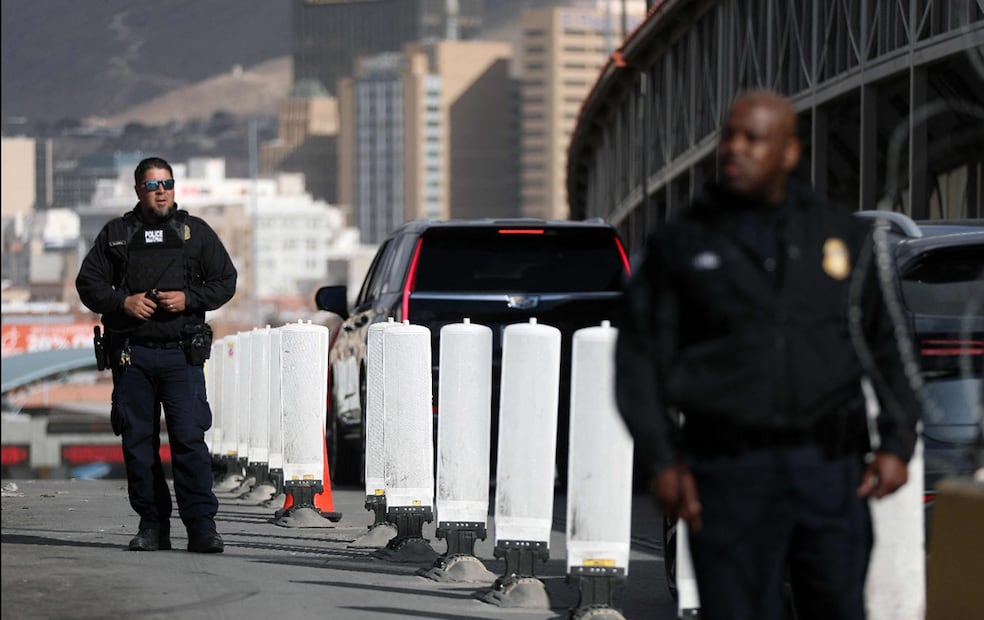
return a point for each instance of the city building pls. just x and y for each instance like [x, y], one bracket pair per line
[428, 133]
[307, 140]
[562, 50]
[330, 35]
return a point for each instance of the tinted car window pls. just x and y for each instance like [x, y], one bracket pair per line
[954, 419]
[544, 261]
[403, 245]
[372, 276]
[945, 282]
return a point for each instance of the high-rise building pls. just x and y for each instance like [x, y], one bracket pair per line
[562, 49]
[307, 141]
[330, 34]
[428, 133]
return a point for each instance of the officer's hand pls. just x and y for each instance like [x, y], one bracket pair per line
[172, 301]
[139, 306]
[676, 492]
[883, 476]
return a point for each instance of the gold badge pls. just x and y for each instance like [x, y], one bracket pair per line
[836, 261]
[187, 232]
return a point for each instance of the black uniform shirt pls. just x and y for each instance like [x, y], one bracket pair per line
[712, 328]
[210, 279]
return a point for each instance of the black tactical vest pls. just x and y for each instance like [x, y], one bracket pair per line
[156, 256]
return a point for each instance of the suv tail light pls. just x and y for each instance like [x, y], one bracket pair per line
[950, 347]
[408, 285]
[520, 231]
[625, 257]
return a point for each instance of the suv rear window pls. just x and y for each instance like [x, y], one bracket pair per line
[541, 260]
[944, 282]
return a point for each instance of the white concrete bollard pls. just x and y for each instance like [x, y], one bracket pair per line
[227, 378]
[304, 387]
[243, 404]
[464, 426]
[230, 388]
[408, 444]
[526, 458]
[213, 392]
[304, 392]
[896, 585]
[258, 435]
[408, 417]
[259, 389]
[599, 481]
[275, 456]
[244, 352]
[688, 597]
[463, 450]
[527, 432]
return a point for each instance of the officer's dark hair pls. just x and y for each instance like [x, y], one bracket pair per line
[147, 164]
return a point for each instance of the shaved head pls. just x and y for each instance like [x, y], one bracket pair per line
[759, 147]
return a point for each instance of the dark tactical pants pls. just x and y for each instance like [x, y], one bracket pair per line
[162, 377]
[766, 509]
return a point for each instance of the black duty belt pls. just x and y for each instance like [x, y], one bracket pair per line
[155, 344]
[723, 437]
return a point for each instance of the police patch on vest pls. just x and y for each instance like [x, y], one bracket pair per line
[153, 236]
[187, 232]
[836, 260]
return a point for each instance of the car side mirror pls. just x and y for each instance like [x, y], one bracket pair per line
[332, 299]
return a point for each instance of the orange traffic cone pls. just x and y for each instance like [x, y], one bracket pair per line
[303, 507]
[323, 501]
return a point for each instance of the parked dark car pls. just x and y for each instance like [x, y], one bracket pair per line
[566, 274]
[939, 266]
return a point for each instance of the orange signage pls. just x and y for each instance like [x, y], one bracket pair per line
[32, 337]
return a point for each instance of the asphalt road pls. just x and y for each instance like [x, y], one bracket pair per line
[64, 556]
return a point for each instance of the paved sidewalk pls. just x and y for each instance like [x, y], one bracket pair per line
[63, 556]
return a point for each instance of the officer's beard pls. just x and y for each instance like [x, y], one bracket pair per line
[159, 216]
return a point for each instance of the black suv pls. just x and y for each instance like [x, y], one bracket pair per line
[939, 266]
[566, 274]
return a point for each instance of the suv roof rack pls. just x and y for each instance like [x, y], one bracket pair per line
[900, 222]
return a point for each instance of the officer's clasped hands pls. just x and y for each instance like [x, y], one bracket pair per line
[143, 305]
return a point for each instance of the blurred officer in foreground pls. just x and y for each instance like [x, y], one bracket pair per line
[153, 274]
[750, 315]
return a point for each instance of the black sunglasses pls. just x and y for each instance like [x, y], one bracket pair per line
[152, 185]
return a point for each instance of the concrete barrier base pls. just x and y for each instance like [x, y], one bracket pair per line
[525, 592]
[377, 537]
[415, 550]
[302, 517]
[259, 493]
[458, 568]
[228, 483]
[597, 613]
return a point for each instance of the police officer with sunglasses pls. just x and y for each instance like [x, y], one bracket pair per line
[153, 274]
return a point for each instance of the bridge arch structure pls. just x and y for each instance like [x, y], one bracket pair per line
[889, 95]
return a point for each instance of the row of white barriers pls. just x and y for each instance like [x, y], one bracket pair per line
[268, 389]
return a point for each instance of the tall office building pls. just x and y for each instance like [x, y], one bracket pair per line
[330, 34]
[562, 50]
[429, 133]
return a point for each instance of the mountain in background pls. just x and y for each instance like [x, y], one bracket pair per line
[66, 59]
[152, 62]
